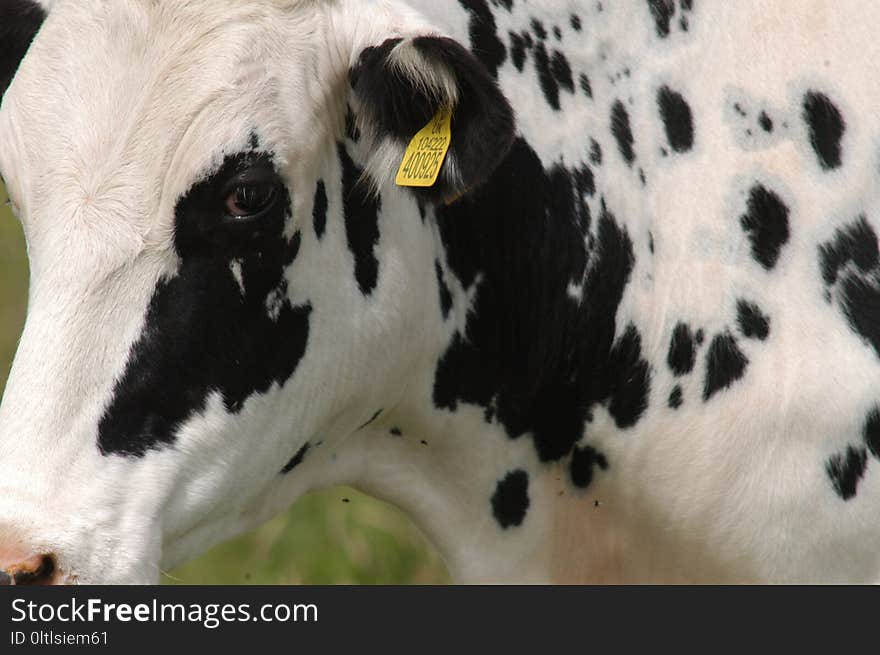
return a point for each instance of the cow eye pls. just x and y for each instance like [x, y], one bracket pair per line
[250, 199]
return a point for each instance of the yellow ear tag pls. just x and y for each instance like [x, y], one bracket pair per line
[426, 152]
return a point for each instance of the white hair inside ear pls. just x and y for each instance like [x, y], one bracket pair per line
[434, 78]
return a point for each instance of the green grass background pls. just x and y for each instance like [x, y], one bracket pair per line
[336, 536]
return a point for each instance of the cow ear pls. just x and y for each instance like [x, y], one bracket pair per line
[400, 85]
[20, 20]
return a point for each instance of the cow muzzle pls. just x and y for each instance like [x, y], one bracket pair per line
[29, 570]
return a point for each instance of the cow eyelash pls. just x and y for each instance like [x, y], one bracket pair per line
[251, 193]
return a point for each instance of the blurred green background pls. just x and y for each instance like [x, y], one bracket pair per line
[337, 536]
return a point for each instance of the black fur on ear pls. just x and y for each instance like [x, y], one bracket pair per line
[20, 20]
[400, 84]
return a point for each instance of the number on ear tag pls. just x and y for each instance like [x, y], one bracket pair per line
[426, 152]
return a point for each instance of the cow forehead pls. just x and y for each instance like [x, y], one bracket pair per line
[126, 103]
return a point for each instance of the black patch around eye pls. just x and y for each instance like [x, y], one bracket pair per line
[204, 226]
[826, 127]
[208, 329]
[766, 225]
[510, 502]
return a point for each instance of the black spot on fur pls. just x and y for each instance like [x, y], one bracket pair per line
[361, 212]
[766, 225]
[725, 364]
[485, 44]
[622, 132]
[851, 271]
[583, 462]
[585, 183]
[845, 471]
[510, 502]
[753, 323]
[517, 50]
[445, 295]
[538, 29]
[319, 209]
[682, 350]
[296, 460]
[396, 432]
[662, 11]
[675, 398]
[539, 360]
[631, 379]
[562, 71]
[871, 431]
[854, 244]
[677, 119]
[549, 83]
[575, 22]
[203, 334]
[765, 122]
[595, 152]
[585, 85]
[826, 127]
[20, 20]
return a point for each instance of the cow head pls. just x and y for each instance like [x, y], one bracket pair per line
[226, 284]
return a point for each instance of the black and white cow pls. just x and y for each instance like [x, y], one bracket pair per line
[632, 333]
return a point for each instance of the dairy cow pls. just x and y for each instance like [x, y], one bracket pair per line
[631, 333]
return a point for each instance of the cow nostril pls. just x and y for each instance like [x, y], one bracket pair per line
[37, 570]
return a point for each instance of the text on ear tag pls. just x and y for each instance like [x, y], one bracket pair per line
[426, 152]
